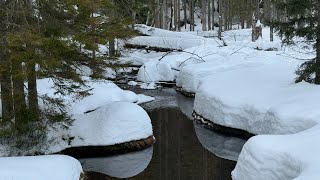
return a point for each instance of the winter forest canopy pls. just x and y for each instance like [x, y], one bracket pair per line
[249, 66]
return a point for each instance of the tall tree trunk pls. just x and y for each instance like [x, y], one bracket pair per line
[178, 16]
[191, 5]
[317, 78]
[6, 89]
[134, 14]
[220, 20]
[212, 14]
[185, 13]
[32, 90]
[204, 14]
[165, 14]
[19, 97]
[175, 15]
[112, 49]
[225, 15]
[209, 14]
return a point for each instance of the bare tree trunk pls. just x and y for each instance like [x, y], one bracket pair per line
[185, 13]
[18, 96]
[165, 14]
[209, 14]
[212, 14]
[134, 14]
[32, 90]
[225, 15]
[6, 90]
[317, 78]
[112, 49]
[204, 14]
[220, 19]
[191, 15]
[178, 15]
[157, 14]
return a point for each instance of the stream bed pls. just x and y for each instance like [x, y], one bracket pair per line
[183, 148]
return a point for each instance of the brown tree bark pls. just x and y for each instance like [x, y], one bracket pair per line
[18, 96]
[6, 89]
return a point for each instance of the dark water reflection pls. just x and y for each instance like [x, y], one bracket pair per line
[177, 154]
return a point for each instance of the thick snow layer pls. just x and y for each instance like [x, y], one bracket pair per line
[191, 75]
[102, 92]
[155, 71]
[280, 157]
[165, 42]
[121, 166]
[261, 100]
[40, 168]
[110, 124]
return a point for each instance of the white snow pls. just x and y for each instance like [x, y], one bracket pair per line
[260, 100]
[102, 92]
[113, 117]
[40, 168]
[110, 124]
[132, 83]
[149, 86]
[285, 157]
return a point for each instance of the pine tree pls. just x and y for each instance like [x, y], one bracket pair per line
[52, 39]
[302, 20]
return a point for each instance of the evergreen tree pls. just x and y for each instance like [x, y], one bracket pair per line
[302, 20]
[51, 39]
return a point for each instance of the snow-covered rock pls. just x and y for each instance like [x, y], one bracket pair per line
[40, 168]
[261, 100]
[110, 124]
[191, 75]
[101, 93]
[280, 157]
[155, 71]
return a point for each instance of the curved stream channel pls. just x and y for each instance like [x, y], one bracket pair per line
[183, 149]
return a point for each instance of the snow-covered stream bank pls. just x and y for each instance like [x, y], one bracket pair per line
[183, 148]
[242, 85]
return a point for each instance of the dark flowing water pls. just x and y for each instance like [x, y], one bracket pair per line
[183, 150]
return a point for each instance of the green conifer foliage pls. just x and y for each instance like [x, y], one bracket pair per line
[301, 19]
[51, 39]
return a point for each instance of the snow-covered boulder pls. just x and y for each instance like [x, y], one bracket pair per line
[40, 168]
[260, 100]
[280, 157]
[110, 124]
[155, 71]
[191, 75]
[101, 93]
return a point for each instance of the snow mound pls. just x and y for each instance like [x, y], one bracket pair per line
[113, 123]
[261, 100]
[155, 71]
[101, 93]
[40, 168]
[190, 76]
[156, 32]
[165, 42]
[285, 157]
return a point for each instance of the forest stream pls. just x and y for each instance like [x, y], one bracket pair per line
[183, 148]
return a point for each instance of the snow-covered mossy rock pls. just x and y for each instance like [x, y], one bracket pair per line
[112, 128]
[259, 100]
[40, 168]
[280, 157]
